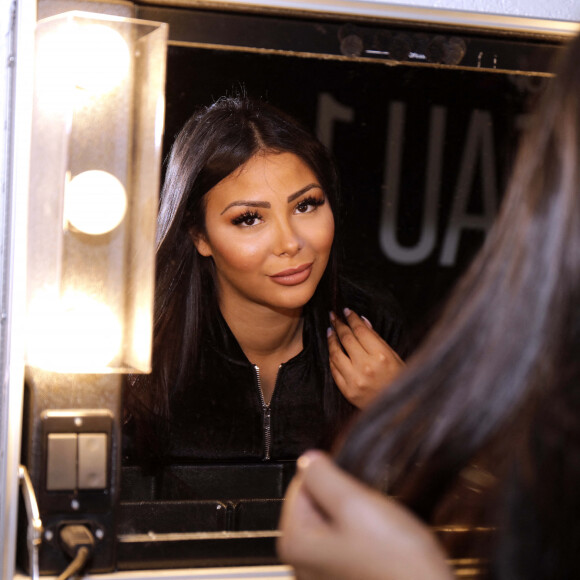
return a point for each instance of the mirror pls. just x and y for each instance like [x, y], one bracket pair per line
[422, 123]
[423, 120]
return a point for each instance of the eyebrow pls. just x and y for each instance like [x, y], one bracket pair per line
[266, 204]
[302, 191]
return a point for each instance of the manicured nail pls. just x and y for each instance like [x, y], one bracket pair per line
[367, 321]
[347, 312]
[332, 317]
[306, 458]
[329, 331]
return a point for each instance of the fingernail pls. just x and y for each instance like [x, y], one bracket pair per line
[306, 458]
[367, 321]
[329, 331]
[332, 316]
[347, 312]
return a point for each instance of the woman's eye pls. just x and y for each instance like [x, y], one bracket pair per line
[309, 204]
[247, 219]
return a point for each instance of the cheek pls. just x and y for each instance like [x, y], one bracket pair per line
[241, 255]
[322, 236]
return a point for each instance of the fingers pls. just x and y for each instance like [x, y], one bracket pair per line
[305, 530]
[355, 336]
[298, 513]
[361, 362]
[308, 519]
[354, 512]
[318, 489]
[358, 337]
[334, 526]
[326, 484]
[334, 346]
[339, 362]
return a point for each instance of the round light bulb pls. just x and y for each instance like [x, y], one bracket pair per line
[101, 57]
[95, 202]
[91, 57]
[54, 75]
[74, 334]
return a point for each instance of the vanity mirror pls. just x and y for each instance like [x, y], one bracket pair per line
[422, 118]
[422, 110]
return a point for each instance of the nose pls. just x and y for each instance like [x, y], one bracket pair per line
[288, 241]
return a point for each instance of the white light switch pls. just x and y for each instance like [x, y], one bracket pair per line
[61, 462]
[92, 461]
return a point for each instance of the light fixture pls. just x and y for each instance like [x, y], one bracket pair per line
[96, 146]
[97, 124]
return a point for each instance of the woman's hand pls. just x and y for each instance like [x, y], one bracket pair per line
[335, 527]
[367, 363]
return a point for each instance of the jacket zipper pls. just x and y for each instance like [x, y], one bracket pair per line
[266, 413]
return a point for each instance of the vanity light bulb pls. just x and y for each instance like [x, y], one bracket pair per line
[99, 62]
[95, 202]
[101, 58]
[75, 333]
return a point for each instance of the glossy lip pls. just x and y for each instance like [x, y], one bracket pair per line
[293, 276]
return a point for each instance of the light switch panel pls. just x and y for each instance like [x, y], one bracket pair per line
[78, 454]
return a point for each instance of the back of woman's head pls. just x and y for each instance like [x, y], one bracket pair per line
[508, 339]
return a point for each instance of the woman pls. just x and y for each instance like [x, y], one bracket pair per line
[247, 274]
[483, 427]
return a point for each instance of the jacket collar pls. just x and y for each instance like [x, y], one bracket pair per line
[222, 340]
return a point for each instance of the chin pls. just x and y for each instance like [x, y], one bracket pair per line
[292, 298]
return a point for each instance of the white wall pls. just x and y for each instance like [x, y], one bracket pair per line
[567, 11]
[553, 9]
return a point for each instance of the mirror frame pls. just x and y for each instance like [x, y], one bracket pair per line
[21, 16]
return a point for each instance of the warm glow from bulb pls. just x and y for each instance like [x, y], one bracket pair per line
[142, 338]
[95, 202]
[90, 57]
[73, 334]
[54, 77]
[101, 57]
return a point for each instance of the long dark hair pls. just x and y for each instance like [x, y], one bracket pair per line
[500, 372]
[214, 142]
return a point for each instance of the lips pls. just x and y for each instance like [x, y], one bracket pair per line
[293, 276]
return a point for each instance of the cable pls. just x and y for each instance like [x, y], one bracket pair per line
[77, 564]
[78, 542]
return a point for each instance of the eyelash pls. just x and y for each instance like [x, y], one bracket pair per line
[311, 200]
[246, 216]
[251, 215]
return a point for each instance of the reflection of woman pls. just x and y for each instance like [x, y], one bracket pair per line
[246, 279]
[483, 427]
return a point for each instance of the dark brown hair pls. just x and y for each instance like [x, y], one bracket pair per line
[503, 360]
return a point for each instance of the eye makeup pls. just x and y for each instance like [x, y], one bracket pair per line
[246, 217]
[315, 201]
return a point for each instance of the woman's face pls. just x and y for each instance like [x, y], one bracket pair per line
[269, 231]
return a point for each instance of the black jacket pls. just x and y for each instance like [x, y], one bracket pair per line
[220, 414]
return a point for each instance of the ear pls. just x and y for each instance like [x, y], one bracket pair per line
[200, 242]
